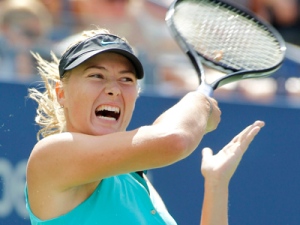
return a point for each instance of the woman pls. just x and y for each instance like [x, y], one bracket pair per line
[83, 171]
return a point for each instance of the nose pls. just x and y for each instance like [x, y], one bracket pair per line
[112, 89]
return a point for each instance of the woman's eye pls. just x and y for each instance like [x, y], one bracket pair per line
[97, 76]
[127, 79]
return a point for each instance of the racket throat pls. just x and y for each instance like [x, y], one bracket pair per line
[205, 89]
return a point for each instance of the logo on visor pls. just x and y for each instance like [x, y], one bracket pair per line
[103, 42]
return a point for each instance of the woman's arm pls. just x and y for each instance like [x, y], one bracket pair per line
[218, 170]
[72, 159]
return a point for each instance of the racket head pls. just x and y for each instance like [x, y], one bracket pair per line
[225, 37]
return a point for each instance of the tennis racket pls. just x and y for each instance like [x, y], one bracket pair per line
[225, 37]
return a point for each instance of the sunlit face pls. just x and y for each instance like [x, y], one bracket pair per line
[100, 94]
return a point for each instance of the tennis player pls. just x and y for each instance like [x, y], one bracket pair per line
[87, 169]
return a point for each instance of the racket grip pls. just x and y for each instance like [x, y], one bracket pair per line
[206, 89]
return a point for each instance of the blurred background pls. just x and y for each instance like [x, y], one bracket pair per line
[50, 25]
[43, 26]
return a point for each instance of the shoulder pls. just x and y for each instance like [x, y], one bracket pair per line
[48, 152]
[53, 140]
[56, 142]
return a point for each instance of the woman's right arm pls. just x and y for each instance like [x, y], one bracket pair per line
[72, 159]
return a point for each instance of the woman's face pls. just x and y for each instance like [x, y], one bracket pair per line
[100, 94]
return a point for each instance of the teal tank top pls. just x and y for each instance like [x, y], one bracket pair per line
[120, 200]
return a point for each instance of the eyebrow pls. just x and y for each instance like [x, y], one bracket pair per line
[95, 67]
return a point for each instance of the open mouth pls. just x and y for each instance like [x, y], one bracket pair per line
[108, 112]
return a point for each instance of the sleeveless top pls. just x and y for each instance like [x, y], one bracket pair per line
[119, 200]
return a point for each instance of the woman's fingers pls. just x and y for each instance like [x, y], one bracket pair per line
[223, 164]
[207, 152]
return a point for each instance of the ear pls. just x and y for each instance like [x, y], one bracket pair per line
[60, 94]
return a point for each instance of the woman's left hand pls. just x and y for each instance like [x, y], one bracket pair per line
[219, 168]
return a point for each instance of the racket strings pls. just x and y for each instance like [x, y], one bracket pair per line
[226, 36]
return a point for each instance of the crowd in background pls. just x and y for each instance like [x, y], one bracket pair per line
[43, 26]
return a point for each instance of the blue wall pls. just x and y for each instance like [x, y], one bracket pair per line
[263, 191]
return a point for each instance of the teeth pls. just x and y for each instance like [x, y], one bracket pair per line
[108, 108]
[108, 112]
[107, 118]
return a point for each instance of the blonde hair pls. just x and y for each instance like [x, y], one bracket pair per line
[50, 115]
